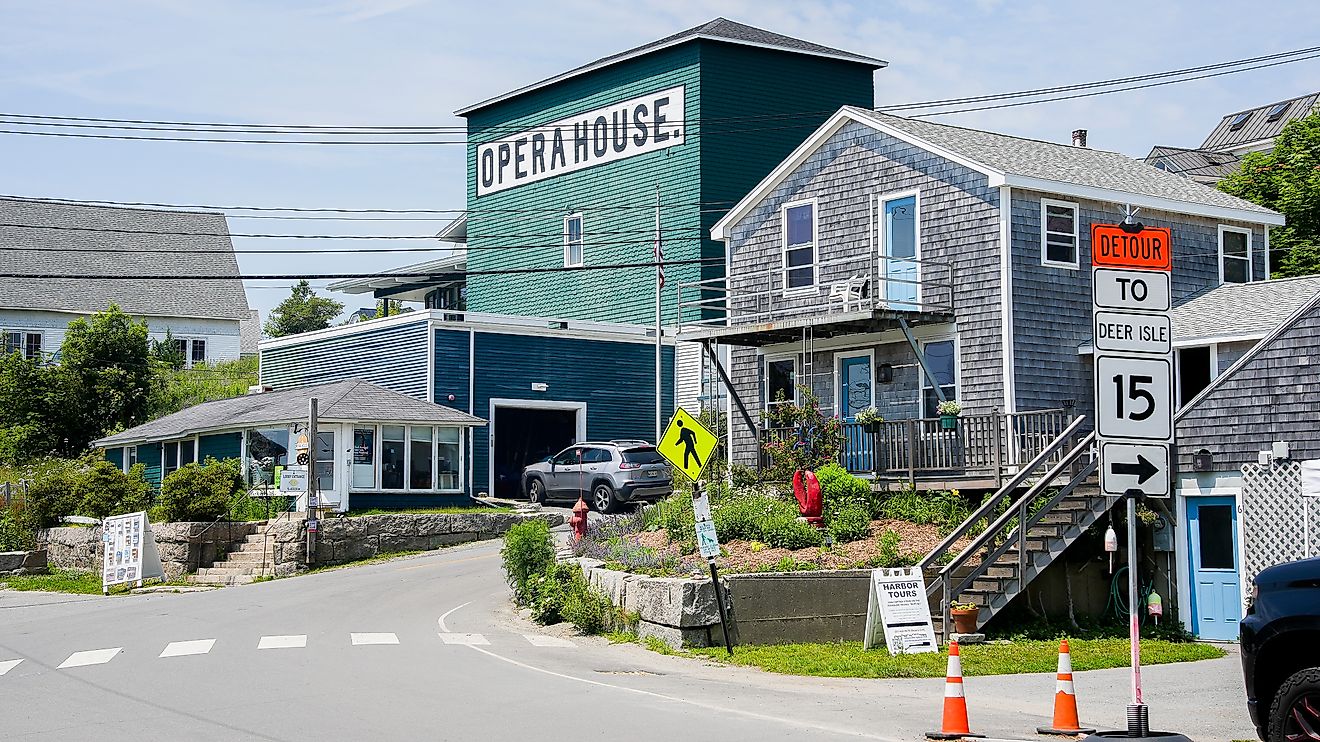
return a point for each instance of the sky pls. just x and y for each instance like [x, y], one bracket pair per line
[413, 62]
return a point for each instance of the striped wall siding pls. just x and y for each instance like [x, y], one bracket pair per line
[451, 369]
[115, 456]
[394, 357]
[687, 377]
[148, 454]
[220, 446]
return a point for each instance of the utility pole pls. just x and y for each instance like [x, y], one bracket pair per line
[659, 330]
[313, 525]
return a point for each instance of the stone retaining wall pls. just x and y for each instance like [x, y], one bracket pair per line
[764, 608]
[183, 547]
[22, 562]
[187, 547]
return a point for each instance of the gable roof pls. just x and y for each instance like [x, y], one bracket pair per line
[40, 237]
[1193, 163]
[719, 29]
[348, 400]
[1241, 310]
[1257, 126]
[1033, 164]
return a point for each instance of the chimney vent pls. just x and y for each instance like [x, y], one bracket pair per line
[260, 389]
[1079, 137]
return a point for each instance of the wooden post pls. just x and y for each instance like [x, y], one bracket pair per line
[998, 444]
[912, 453]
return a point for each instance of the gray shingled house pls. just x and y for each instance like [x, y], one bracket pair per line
[896, 263]
[116, 247]
[374, 446]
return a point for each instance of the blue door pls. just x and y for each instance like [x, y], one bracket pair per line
[1216, 590]
[854, 396]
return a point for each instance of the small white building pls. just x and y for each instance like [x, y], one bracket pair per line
[122, 256]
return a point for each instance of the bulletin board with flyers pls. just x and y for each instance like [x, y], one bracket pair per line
[130, 550]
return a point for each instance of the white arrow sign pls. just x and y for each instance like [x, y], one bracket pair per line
[1135, 466]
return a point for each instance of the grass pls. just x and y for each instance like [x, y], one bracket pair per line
[419, 511]
[75, 581]
[849, 660]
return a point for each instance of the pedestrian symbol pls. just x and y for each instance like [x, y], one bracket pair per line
[687, 444]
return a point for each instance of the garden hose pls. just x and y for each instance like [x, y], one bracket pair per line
[1118, 588]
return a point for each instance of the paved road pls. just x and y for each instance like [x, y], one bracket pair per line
[427, 648]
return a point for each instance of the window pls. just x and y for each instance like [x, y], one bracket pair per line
[190, 350]
[420, 466]
[1234, 255]
[1195, 371]
[1215, 528]
[643, 456]
[130, 458]
[198, 352]
[364, 458]
[941, 359]
[1239, 121]
[596, 456]
[899, 247]
[569, 456]
[325, 460]
[187, 453]
[392, 457]
[447, 458]
[799, 246]
[177, 454]
[1058, 233]
[780, 381]
[21, 341]
[573, 240]
[1277, 110]
[268, 450]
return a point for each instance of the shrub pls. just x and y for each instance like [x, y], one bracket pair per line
[201, 492]
[805, 439]
[785, 531]
[105, 490]
[677, 519]
[584, 607]
[945, 509]
[549, 591]
[839, 488]
[17, 531]
[743, 517]
[889, 554]
[850, 523]
[51, 495]
[528, 554]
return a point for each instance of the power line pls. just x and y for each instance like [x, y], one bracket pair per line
[448, 129]
[299, 209]
[343, 251]
[341, 276]
[253, 235]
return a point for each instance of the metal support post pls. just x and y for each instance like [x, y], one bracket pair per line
[1138, 715]
[719, 600]
[313, 525]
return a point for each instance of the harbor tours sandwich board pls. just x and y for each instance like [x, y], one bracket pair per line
[130, 551]
[898, 605]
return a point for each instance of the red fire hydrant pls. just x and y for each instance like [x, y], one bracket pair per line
[579, 520]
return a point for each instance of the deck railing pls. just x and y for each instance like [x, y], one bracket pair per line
[984, 446]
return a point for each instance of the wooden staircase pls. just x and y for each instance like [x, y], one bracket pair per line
[1029, 522]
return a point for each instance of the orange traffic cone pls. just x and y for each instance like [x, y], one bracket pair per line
[1065, 700]
[954, 725]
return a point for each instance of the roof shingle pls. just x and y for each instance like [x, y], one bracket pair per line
[1241, 309]
[37, 237]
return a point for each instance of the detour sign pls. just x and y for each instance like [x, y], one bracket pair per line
[1114, 247]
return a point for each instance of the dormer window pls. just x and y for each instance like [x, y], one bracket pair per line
[1239, 121]
[1277, 110]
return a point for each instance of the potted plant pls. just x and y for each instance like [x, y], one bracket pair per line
[964, 617]
[948, 411]
[870, 419]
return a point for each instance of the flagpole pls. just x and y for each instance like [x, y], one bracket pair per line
[659, 332]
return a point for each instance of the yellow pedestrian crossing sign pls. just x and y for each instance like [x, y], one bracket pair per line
[687, 444]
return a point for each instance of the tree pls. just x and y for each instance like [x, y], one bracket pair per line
[303, 311]
[106, 366]
[1287, 180]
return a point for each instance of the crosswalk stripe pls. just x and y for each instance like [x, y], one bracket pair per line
[539, 640]
[183, 649]
[282, 642]
[90, 657]
[368, 638]
[8, 665]
[449, 637]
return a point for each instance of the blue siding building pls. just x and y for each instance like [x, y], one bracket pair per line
[542, 385]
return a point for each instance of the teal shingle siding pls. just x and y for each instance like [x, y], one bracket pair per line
[616, 380]
[148, 454]
[115, 456]
[220, 446]
[716, 163]
[451, 368]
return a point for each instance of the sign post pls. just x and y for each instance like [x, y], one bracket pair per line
[1134, 403]
[687, 444]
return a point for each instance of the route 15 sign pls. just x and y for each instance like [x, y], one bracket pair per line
[1133, 342]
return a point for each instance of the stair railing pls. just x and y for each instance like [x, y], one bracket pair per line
[987, 511]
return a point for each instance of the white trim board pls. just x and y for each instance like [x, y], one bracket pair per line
[528, 404]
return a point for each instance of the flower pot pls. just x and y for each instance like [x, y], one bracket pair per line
[964, 620]
[948, 422]
[871, 427]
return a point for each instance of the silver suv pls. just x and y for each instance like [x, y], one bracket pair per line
[607, 474]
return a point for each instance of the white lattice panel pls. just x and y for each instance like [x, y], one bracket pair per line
[1277, 521]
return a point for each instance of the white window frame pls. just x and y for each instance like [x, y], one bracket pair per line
[188, 341]
[1045, 232]
[23, 335]
[1239, 230]
[581, 242]
[924, 382]
[839, 358]
[882, 248]
[378, 442]
[766, 401]
[178, 455]
[814, 286]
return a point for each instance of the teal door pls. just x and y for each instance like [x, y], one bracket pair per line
[900, 252]
[1216, 588]
[854, 395]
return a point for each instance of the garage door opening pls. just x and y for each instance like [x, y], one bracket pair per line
[526, 435]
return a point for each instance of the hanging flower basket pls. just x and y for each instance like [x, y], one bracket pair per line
[948, 411]
[870, 419]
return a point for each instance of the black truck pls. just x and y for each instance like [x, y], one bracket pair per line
[1281, 652]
